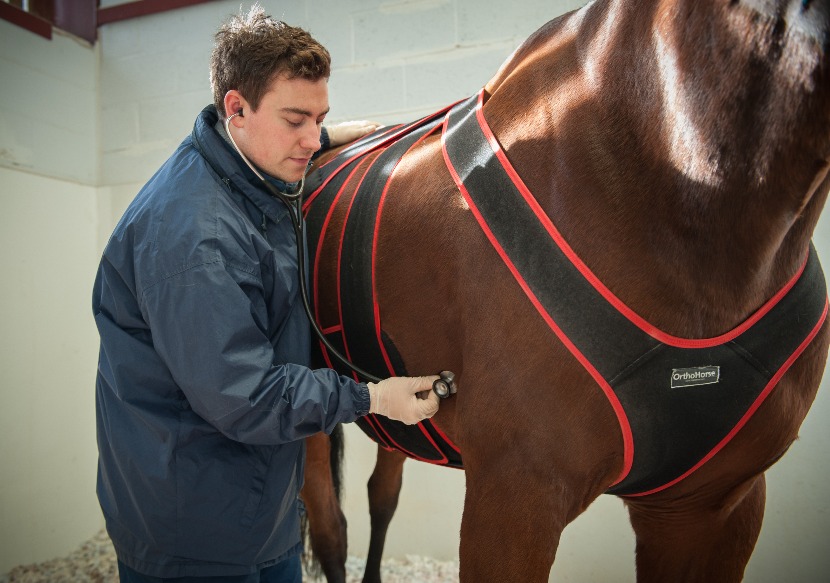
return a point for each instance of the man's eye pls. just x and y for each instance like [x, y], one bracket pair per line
[294, 124]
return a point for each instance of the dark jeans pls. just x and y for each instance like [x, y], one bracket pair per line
[288, 571]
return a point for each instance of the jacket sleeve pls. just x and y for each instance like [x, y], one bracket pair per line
[206, 329]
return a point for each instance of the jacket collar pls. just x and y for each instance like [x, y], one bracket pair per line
[230, 167]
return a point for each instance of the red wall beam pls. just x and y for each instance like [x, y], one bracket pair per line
[141, 8]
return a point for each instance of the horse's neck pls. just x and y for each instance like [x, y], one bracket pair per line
[671, 143]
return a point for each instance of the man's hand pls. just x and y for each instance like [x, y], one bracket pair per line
[349, 131]
[398, 398]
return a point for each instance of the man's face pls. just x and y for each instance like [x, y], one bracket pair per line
[283, 133]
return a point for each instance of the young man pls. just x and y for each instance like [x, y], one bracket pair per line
[204, 394]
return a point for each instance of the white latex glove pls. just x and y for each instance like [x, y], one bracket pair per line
[349, 131]
[397, 398]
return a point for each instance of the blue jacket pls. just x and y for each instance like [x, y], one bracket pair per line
[203, 395]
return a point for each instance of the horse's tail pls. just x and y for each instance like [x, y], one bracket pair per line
[336, 459]
[336, 439]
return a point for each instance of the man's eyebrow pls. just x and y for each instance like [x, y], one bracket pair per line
[300, 111]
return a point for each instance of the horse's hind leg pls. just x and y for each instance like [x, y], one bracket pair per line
[384, 489]
[698, 540]
[326, 523]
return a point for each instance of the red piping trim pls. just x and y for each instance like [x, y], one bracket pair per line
[625, 427]
[761, 398]
[378, 427]
[348, 161]
[320, 248]
[365, 138]
[373, 423]
[391, 134]
[326, 355]
[443, 460]
[340, 256]
[635, 318]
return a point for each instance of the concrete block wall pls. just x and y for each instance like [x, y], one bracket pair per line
[49, 243]
[50, 97]
[81, 129]
[392, 62]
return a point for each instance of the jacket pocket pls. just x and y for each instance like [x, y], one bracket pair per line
[258, 483]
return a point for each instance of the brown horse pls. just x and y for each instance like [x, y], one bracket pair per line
[677, 152]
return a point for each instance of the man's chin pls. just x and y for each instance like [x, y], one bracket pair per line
[288, 177]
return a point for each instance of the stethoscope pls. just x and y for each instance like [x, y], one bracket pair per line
[443, 387]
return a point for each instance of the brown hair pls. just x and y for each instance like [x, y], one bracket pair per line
[252, 49]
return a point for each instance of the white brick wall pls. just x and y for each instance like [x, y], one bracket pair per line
[49, 96]
[392, 61]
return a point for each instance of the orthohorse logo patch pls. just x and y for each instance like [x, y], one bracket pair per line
[691, 377]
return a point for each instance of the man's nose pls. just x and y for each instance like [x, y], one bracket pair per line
[311, 138]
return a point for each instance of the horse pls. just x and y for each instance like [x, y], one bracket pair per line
[610, 247]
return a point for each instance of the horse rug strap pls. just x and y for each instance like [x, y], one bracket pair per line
[357, 177]
[678, 401]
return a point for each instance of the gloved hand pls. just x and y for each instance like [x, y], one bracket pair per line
[397, 398]
[348, 131]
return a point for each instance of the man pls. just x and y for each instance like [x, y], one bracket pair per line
[204, 394]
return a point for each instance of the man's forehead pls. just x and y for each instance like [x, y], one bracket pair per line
[300, 96]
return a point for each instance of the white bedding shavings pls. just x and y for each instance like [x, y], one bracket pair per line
[408, 570]
[94, 562]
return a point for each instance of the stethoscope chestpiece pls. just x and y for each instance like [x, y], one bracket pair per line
[445, 386]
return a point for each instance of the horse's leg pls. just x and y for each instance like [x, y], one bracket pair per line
[698, 540]
[326, 522]
[512, 522]
[384, 489]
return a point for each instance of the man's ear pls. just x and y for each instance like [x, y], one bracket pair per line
[235, 103]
